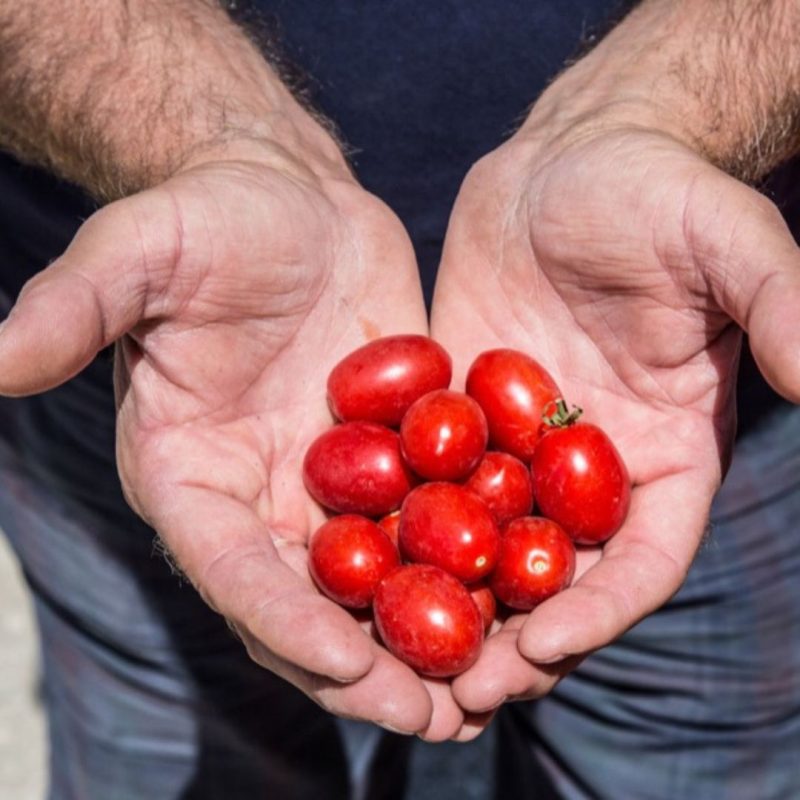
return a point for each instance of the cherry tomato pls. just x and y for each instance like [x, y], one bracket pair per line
[580, 480]
[483, 597]
[504, 484]
[357, 468]
[390, 525]
[513, 390]
[427, 619]
[443, 435]
[447, 526]
[379, 381]
[348, 556]
[536, 560]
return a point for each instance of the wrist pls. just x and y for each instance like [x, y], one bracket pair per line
[618, 86]
[292, 142]
[724, 84]
[294, 157]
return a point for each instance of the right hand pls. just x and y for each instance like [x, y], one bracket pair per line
[233, 288]
[629, 265]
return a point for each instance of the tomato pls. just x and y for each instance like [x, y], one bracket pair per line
[504, 484]
[536, 560]
[513, 390]
[443, 435]
[390, 525]
[379, 381]
[357, 468]
[483, 597]
[447, 526]
[427, 619]
[348, 556]
[580, 480]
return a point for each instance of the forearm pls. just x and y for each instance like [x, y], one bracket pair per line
[116, 95]
[722, 75]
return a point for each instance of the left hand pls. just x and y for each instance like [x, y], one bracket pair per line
[627, 265]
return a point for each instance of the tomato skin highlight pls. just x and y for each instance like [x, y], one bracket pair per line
[379, 381]
[581, 482]
[504, 484]
[347, 558]
[443, 435]
[513, 390]
[449, 527]
[536, 561]
[428, 620]
[357, 468]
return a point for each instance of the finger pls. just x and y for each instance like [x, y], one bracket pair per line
[90, 296]
[501, 673]
[226, 551]
[474, 725]
[390, 695]
[447, 717]
[752, 263]
[642, 567]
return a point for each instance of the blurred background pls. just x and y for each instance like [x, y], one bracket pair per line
[22, 726]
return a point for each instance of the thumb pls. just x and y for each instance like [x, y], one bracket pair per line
[755, 278]
[95, 292]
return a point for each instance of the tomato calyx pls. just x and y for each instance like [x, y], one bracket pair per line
[560, 416]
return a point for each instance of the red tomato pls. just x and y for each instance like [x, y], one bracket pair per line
[504, 484]
[443, 435]
[379, 381]
[357, 468]
[390, 525]
[536, 560]
[348, 556]
[483, 598]
[580, 481]
[447, 526]
[513, 390]
[427, 619]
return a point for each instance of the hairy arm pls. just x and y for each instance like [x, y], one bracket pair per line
[116, 95]
[722, 76]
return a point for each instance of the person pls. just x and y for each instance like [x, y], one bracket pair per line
[611, 236]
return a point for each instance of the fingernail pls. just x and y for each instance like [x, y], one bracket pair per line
[493, 707]
[545, 659]
[387, 727]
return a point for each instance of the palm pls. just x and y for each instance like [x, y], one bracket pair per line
[232, 377]
[605, 262]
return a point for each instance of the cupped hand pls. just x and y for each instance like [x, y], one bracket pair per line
[232, 289]
[628, 265]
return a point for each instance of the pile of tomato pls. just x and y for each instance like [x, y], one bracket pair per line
[433, 527]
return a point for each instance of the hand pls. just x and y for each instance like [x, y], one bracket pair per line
[235, 286]
[628, 265]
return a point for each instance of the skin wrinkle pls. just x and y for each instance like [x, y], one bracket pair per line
[545, 274]
[177, 248]
[258, 482]
[222, 558]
